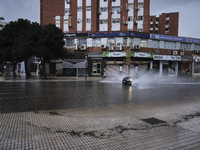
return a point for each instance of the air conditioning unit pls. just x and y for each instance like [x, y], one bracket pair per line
[175, 52]
[119, 47]
[70, 25]
[137, 8]
[196, 51]
[111, 48]
[75, 47]
[127, 9]
[99, 13]
[126, 22]
[111, 12]
[135, 21]
[137, 47]
[103, 46]
[118, 11]
[68, 1]
[83, 47]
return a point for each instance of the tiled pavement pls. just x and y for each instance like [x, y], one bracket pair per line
[114, 127]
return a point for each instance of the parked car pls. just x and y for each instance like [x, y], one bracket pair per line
[127, 80]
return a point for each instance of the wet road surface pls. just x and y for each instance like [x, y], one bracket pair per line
[59, 114]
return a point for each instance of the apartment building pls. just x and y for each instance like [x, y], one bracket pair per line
[96, 15]
[119, 36]
[166, 24]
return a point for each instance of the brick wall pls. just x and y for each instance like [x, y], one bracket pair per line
[173, 24]
[49, 9]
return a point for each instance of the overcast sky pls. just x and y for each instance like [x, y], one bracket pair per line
[189, 11]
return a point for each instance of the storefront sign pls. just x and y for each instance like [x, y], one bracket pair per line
[186, 58]
[167, 57]
[114, 54]
[174, 38]
[76, 35]
[124, 54]
[119, 34]
[141, 54]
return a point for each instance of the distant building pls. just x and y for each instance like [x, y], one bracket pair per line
[166, 24]
[119, 36]
[2, 23]
[96, 15]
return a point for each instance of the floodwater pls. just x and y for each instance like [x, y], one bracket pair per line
[38, 95]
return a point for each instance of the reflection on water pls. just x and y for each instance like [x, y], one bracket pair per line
[34, 96]
[130, 94]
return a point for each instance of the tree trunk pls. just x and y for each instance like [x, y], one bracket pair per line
[26, 69]
[14, 67]
[43, 69]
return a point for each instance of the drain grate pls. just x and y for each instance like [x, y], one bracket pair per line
[153, 121]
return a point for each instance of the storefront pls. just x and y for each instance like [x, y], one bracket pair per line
[168, 65]
[196, 65]
[125, 63]
[185, 66]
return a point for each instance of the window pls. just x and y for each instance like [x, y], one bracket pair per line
[69, 42]
[88, 8]
[88, 20]
[115, 20]
[96, 42]
[157, 19]
[115, 8]
[155, 44]
[111, 42]
[140, 18]
[130, 18]
[79, 21]
[103, 21]
[197, 47]
[151, 25]
[125, 40]
[143, 43]
[151, 19]
[79, 9]
[82, 41]
[103, 9]
[67, 11]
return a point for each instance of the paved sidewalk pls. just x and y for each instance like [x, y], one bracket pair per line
[114, 127]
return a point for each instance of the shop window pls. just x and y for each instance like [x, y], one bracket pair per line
[111, 42]
[69, 42]
[96, 42]
[143, 43]
[155, 44]
[125, 40]
[82, 41]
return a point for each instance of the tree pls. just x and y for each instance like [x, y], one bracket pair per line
[50, 45]
[25, 44]
[10, 37]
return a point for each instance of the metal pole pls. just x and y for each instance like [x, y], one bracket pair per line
[77, 66]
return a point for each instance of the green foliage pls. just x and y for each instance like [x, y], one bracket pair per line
[20, 40]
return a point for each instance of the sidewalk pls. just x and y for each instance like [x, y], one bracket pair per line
[119, 127]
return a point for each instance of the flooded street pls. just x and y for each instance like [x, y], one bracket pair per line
[152, 113]
[45, 95]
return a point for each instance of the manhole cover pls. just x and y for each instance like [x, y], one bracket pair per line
[153, 121]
